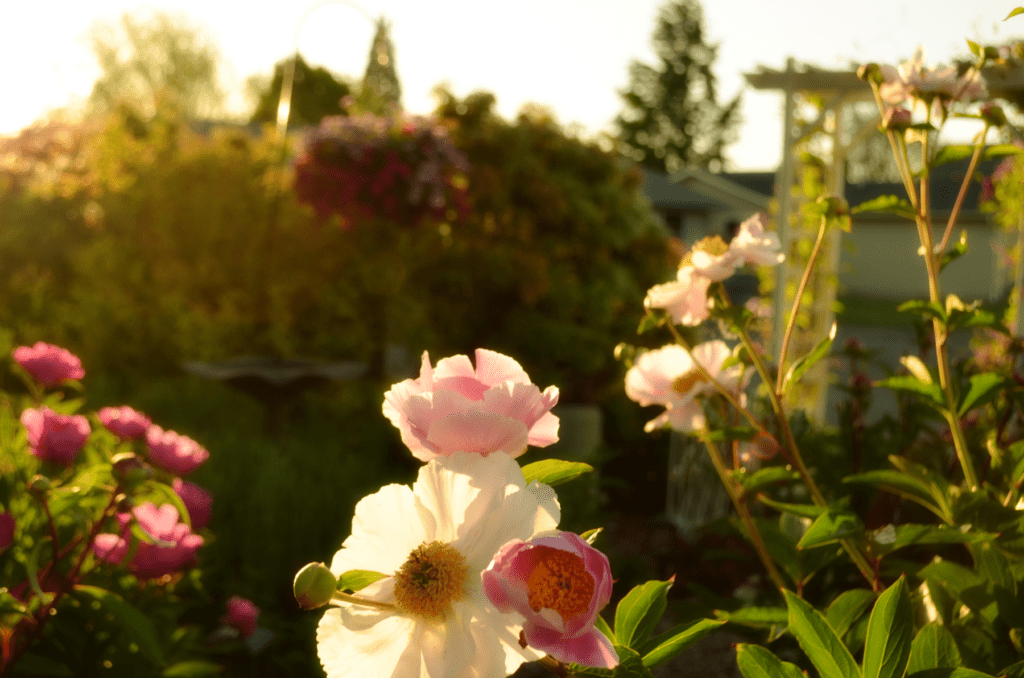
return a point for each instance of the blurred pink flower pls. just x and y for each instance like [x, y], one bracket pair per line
[174, 548]
[55, 437]
[756, 245]
[174, 452]
[124, 422]
[685, 299]
[198, 502]
[712, 258]
[913, 80]
[454, 408]
[559, 584]
[668, 376]
[6, 530]
[49, 364]
[242, 615]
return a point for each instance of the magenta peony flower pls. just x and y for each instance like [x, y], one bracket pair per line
[124, 422]
[242, 615]
[198, 501]
[173, 452]
[49, 364]
[668, 376]
[6, 530]
[55, 437]
[175, 545]
[454, 408]
[558, 583]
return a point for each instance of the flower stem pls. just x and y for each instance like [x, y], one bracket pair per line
[340, 597]
[796, 304]
[963, 189]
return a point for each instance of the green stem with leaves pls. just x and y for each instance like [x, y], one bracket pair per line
[815, 251]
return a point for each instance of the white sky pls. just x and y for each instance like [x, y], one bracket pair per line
[569, 55]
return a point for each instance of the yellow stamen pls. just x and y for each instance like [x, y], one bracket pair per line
[559, 581]
[431, 580]
[686, 381]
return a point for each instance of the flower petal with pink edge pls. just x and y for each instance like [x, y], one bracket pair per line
[591, 648]
[479, 433]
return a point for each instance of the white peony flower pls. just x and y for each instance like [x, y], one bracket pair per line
[434, 541]
[712, 258]
[668, 376]
[756, 245]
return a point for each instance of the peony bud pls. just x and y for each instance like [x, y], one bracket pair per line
[314, 586]
[242, 615]
[993, 114]
[49, 364]
[896, 118]
[871, 73]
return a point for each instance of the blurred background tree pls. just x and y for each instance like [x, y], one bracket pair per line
[672, 117]
[316, 94]
[159, 58]
[380, 92]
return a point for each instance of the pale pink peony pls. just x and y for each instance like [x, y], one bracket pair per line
[685, 299]
[124, 422]
[55, 437]
[198, 502]
[714, 266]
[242, 615]
[454, 408]
[175, 545]
[559, 584]
[49, 364]
[173, 452]
[913, 80]
[668, 376]
[755, 245]
[7, 526]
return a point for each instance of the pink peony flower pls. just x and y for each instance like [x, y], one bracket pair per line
[668, 376]
[559, 584]
[173, 452]
[124, 422]
[55, 437]
[242, 615]
[454, 408]
[685, 299]
[175, 545]
[49, 364]
[755, 245]
[712, 258]
[6, 530]
[198, 501]
[913, 80]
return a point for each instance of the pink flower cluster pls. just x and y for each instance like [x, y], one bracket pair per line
[55, 437]
[174, 544]
[454, 408]
[49, 364]
[124, 422]
[559, 584]
[685, 299]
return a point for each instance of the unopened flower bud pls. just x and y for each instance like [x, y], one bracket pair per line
[896, 118]
[993, 114]
[833, 207]
[992, 53]
[314, 586]
[124, 503]
[871, 73]
[39, 484]
[129, 469]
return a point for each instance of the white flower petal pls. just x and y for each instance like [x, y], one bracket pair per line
[386, 528]
[448, 649]
[384, 647]
[524, 513]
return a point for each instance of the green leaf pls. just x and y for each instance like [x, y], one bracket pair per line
[136, 624]
[830, 527]
[591, 535]
[802, 364]
[954, 577]
[887, 203]
[924, 308]
[639, 612]
[916, 485]
[758, 617]
[931, 393]
[554, 472]
[958, 249]
[759, 662]
[887, 647]
[766, 476]
[1001, 151]
[1013, 671]
[603, 627]
[984, 387]
[818, 641]
[32, 568]
[892, 537]
[1014, 12]
[780, 547]
[974, 47]
[669, 644]
[952, 153]
[195, 668]
[650, 321]
[34, 665]
[630, 666]
[357, 580]
[949, 673]
[847, 608]
[933, 648]
[803, 510]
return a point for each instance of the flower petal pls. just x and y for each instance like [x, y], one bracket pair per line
[355, 642]
[386, 528]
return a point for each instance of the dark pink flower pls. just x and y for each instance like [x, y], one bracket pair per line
[198, 501]
[55, 437]
[173, 452]
[49, 364]
[242, 615]
[6, 530]
[124, 422]
[456, 408]
[175, 546]
[558, 583]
